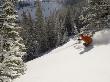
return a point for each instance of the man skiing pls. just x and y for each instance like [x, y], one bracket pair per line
[87, 39]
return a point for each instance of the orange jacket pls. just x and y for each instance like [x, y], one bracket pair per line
[87, 39]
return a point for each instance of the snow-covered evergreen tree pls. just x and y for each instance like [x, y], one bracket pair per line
[1, 14]
[94, 16]
[11, 65]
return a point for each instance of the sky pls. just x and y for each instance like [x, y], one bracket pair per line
[66, 64]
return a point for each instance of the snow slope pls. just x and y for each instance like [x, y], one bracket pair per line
[65, 64]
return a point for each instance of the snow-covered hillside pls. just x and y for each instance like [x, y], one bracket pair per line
[65, 64]
[47, 7]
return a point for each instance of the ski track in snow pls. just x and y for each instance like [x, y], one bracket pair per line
[65, 64]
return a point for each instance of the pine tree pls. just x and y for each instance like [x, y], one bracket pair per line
[94, 16]
[1, 14]
[24, 23]
[41, 29]
[51, 34]
[1, 24]
[11, 65]
[60, 29]
[29, 35]
[68, 21]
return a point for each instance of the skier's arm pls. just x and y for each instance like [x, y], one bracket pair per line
[79, 40]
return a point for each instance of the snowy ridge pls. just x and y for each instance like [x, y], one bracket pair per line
[65, 64]
[47, 8]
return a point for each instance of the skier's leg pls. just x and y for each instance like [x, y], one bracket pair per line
[85, 44]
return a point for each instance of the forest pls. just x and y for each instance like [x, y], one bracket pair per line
[25, 39]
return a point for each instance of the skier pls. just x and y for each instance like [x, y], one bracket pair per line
[86, 38]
